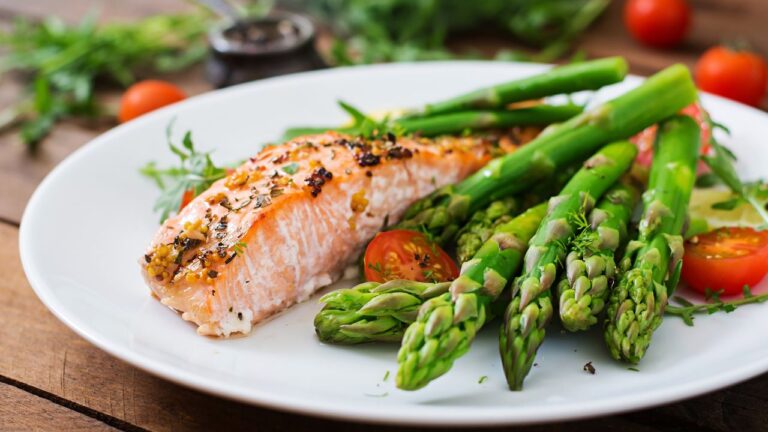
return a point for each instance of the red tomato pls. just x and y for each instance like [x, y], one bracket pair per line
[188, 196]
[645, 138]
[404, 254]
[727, 259]
[658, 23]
[738, 75]
[146, 96]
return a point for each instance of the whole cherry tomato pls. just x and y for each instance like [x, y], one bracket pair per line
[738, 75]
[146, 96]
[658, 23]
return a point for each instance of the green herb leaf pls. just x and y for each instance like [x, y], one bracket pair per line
[291, 168]
[728, 204]
[196, 171]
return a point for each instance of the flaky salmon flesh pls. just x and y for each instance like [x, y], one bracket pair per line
[291, 219]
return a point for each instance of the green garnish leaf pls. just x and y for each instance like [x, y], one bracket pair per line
[291, 168]
[482, 379]
[729, 204]
[195, 171]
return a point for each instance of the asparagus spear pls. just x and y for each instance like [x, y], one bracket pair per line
[482, 225]
[377, 312]
[590, 266]
[636, 306]
[447, 325]
[373, 311]
[443, 212]
[454, 123]
[528, 313]
[589, 75]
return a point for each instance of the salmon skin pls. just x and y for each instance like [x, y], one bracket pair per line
[291, 219]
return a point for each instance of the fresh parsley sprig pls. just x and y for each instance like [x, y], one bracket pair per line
[195, 172]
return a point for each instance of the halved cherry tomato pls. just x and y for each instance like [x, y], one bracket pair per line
[188, 196]
[146, 96]
[404, 254]
[658, 23]
[738, 75]
[726, 258]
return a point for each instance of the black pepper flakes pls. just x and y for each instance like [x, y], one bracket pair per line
[147, 258]
[317, 179]
[589, 368]
[230, 258]
[240, 316]
[399, 152]
[213, 274]
[366, 159]
[368, 173]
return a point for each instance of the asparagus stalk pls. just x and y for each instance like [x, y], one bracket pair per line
[571, 78]
[482, 225]
[447, 325]
[636, 306]
[443, 212]
[530, 310]
[454, 123]
[373, 311]
[590, 266]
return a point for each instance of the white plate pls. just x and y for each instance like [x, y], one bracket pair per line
[92, 217]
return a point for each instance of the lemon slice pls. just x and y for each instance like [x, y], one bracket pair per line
[701, 203]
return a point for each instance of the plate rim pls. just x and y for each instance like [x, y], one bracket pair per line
[486, 416]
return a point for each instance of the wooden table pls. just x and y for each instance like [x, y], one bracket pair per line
[51, 378]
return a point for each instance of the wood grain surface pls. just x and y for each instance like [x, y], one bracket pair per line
[51, 379]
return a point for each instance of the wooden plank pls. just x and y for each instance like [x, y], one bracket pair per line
[20, 172]
[22, 411]
[36, 349]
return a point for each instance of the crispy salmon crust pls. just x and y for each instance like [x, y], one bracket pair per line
[290, 220]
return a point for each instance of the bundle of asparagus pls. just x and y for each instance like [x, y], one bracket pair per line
[530, 309]
[445, 211]
[487, 108]
[636, 306]
[590, 267]
[574, 243]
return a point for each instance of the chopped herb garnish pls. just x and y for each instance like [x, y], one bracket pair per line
[633, 369]
[291, 168]
[482, 379]
[386, 376]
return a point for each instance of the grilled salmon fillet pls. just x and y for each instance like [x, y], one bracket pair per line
[290, 220]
